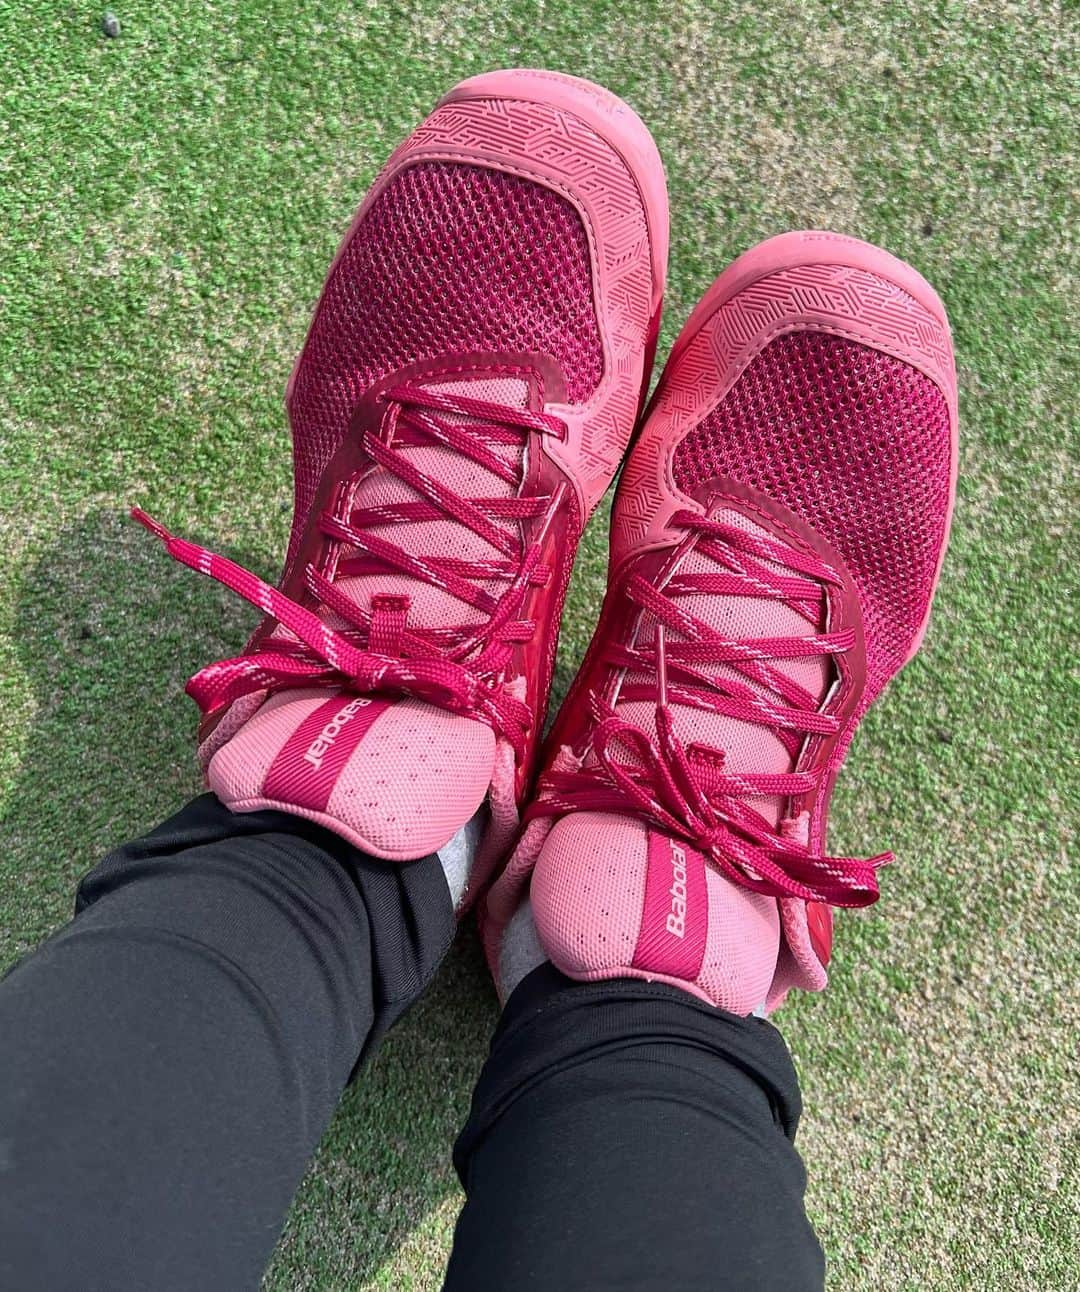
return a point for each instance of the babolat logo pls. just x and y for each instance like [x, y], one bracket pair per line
[676, 920]
[323, 742]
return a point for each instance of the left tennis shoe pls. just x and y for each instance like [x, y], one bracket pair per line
[473, 373]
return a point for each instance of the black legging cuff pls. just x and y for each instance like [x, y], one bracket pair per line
[389, 924]
[624, 1135]
[569, 1023]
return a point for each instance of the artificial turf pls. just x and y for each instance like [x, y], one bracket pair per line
[170, 200]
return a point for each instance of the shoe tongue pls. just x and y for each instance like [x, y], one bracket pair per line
[613, 897]
[747, 746]
[431, 606]
[396, 777]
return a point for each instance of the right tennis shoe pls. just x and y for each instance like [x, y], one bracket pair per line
[777, 536]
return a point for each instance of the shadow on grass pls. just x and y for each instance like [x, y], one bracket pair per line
[108, 631]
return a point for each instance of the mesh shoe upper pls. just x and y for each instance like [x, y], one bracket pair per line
[856, 442]
[449, 259]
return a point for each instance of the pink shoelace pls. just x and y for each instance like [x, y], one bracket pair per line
[457, 668]
[686, 791]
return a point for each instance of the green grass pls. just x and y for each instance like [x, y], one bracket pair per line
[170, 201]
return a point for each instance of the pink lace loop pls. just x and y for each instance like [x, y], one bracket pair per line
[378, 651]
[689, 793]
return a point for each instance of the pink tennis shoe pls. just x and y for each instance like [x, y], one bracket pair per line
[469, 384]
[473, 372]
[776, 540]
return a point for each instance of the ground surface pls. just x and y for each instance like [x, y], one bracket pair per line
[169, 202]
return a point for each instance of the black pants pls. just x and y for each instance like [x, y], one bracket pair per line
[170, 1059]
